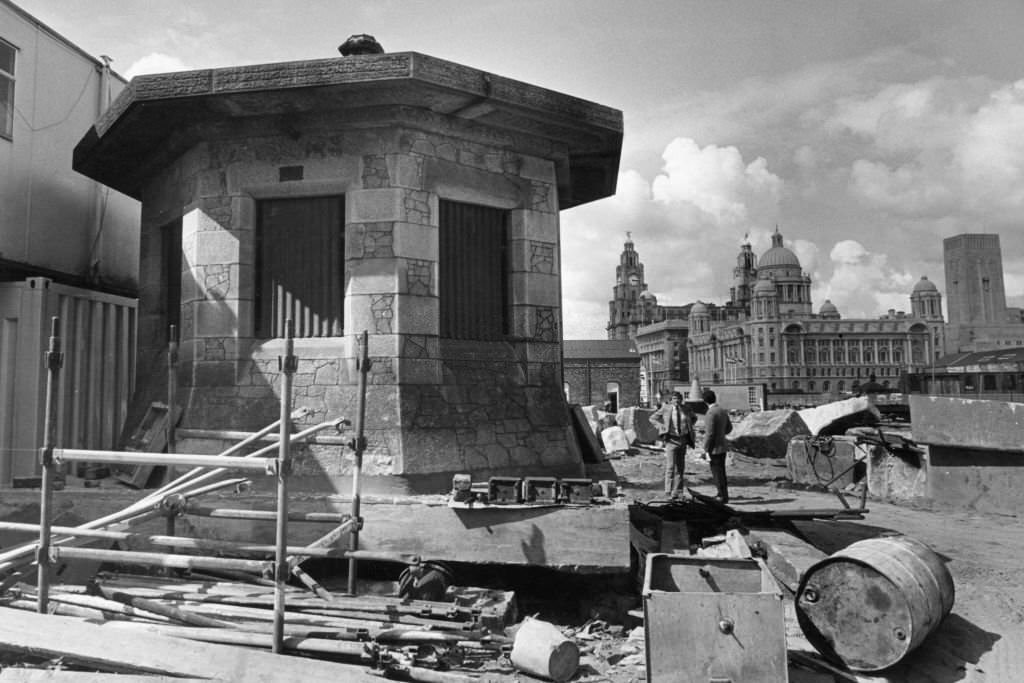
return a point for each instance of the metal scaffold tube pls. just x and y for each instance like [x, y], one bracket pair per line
[358, 446]
[289, 364]
[54, 361]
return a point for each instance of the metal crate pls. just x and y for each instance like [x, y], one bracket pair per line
[712, 621]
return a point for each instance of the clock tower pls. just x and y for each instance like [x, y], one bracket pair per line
[626, 310]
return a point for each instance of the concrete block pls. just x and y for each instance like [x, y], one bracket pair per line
[896, 475]
[766, 434]
[838, 416]
[372, 276]
[535, 289]
[526, 224]
[219, 318]
[413, 240]
[216, 246]
[535, 168]
[968, 423]
[638, 420]
[614, 439]
[368, 206]
[817, 460]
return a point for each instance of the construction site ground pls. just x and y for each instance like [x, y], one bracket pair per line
[981, 640]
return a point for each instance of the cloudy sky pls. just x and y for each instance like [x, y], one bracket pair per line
[866, 130]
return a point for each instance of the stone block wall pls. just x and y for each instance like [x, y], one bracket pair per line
[434, 405]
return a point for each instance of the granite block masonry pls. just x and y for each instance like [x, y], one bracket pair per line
[388, 151]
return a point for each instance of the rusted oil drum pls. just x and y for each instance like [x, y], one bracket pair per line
[871, 603]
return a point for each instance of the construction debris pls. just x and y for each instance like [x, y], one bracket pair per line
[766, 434]
[838, 416]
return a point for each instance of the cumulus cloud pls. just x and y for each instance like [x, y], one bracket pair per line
[155, 63]
[686, 224]
[861, 283]
[715, 180]
[939, 148]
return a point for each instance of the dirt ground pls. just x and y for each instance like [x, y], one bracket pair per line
[981, 640]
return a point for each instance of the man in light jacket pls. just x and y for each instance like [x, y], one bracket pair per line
[675, 428]
[716, 425]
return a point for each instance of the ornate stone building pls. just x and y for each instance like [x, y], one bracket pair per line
[398, 194]
[781, 342]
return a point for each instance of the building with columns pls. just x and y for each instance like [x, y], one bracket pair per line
[781, 342]
[398, 194]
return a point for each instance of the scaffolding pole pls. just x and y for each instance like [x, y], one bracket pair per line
[289, 364]
[358, 446]
[54, 361]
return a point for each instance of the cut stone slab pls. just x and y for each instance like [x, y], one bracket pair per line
[766, 434]
[838, 416]
[614, 439]
[818, 460]
[639, 420]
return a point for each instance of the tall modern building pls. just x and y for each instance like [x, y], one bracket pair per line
[976, 296]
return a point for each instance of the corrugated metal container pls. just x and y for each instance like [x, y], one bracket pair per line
[713, 620]
[96, 380]
[871, 603]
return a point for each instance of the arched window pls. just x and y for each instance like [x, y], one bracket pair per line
[823, 355]
[883, 355]
[868, 355]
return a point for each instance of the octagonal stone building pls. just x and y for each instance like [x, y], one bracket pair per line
[399, 194]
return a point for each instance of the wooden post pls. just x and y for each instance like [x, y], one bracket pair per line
[358, 446]
[289, 364]
[54, 361]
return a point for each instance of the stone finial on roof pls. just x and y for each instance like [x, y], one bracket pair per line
[360, 44]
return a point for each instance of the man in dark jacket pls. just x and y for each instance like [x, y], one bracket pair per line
[675, 428]
[716, 425]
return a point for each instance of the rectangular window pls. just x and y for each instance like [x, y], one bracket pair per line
[473, 272]
[7, 55]
[300, 266]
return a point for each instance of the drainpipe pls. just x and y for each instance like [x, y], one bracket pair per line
[101, 193]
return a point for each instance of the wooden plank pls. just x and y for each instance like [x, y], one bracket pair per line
[150, 436]
[22, 675]
[591, 539]
[90, 644]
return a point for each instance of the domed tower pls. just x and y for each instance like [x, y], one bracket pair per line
[792, 286]
[744, 275]
[766, 301]
[828, 311]
[700, 319]
[626, 310]
[925, 300]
